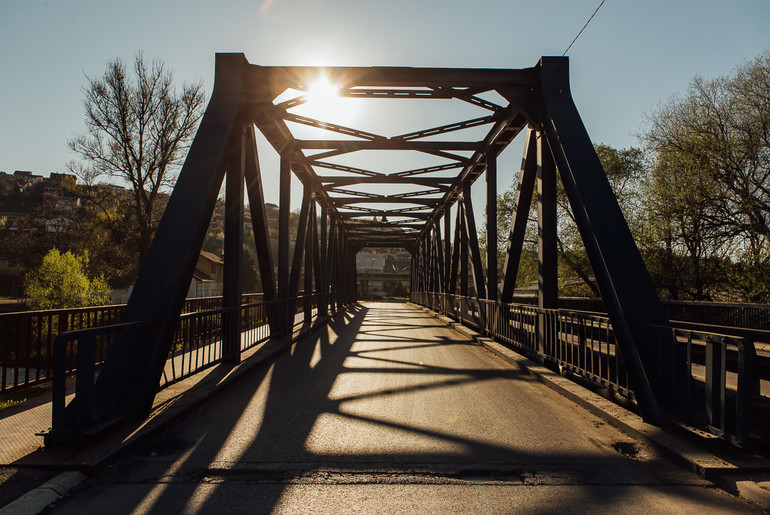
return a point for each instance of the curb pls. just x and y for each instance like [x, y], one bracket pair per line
[730, 473]
[37, 500]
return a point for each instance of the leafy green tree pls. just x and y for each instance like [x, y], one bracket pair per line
[710, 186]
[624, 169]
[61, 282]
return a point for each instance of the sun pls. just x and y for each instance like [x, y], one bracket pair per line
[322, 90]
[325, 103]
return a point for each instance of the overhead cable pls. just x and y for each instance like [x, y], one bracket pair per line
[584, 27]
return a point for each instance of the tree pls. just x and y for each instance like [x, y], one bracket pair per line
[138, 129]
[624, 169]
[711, 154]
[61, 282]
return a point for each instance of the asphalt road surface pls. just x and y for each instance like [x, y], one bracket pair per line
[390, 411]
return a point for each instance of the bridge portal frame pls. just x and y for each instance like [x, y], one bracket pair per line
[224, 148]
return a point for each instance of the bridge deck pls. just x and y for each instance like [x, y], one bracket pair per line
[388, 410]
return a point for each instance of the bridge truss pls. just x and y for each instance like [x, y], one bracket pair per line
[425, 208]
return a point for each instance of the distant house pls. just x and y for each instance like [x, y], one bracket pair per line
[25, 180]
[372, 261]
[13, 221]
[207, 278]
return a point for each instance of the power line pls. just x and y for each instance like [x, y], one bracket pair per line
[584, 27]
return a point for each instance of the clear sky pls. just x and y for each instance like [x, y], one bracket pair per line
[632, 55]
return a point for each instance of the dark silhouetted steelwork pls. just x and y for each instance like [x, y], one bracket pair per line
[355, 213]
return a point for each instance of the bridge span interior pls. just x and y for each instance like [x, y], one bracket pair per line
[417, 198]
[386, 409]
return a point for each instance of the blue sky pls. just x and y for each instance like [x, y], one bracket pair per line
[632, 55]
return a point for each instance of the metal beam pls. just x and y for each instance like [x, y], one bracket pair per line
[547, 252]
[473, 243]
[388, 144]
[282, 77]
[284, 207]
[259, 217]
[627, 290]
[522, 203]
[390, 199]
[233, 247]
[132, 371]
[336, 181]
[491, 208]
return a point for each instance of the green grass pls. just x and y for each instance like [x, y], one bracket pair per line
[20, 396]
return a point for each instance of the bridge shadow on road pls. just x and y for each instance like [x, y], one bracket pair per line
[384, 395]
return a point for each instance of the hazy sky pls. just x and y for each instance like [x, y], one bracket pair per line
[632, 55]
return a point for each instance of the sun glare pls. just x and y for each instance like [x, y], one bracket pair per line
[322, 91]
[325, 103]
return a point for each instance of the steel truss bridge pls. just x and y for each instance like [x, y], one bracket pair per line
[426, 209]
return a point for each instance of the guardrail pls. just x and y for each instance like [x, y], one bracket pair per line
[578, 342]
[754, 318]
[725, 389]
[26, 338]
[584, 344]
[84, 350]
[197, 344]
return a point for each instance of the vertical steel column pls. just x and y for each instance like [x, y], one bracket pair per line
[284, 208]
[455, 261]
[546, 226]
[331, 261]
[440, 270]
[299, 254]
[323, 288]
[316, 245]
[231, 292]
[492, 227]
[425, 264]
[463, 250]
[340, 251]
[299, 241]
[308, 307]
[354, 275]
[547, 276]
[412, 282]
[447, 249]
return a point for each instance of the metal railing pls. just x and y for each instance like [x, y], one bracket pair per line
[720, 382]
[722, 369]
[754, 317]
[84, 350]
[26, 338]
[199, 342]
[581, 343]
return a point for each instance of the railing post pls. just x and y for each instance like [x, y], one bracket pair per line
[746, 384]
[84, 383]
[58, 413]
[714, 367]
